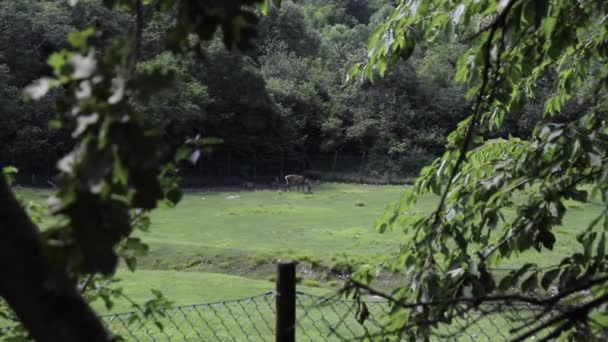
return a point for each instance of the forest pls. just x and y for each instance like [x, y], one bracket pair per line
[291, 89]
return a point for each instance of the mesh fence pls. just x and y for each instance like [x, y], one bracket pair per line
[325, 319]
[249, 319]
[318, 319]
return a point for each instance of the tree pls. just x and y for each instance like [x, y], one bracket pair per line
[288, 24]
[117, 172]
[512, 46]
[322, 36]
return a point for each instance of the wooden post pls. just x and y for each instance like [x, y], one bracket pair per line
[282, 163]
[390, 167]
[255, 166]
[286, 302]
[361, 167]
[229, 164]
[333, 165]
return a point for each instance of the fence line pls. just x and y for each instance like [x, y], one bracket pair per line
[306, 317]
[318, 319]
[246, 319]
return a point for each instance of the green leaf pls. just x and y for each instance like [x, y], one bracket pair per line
[530, 283]
[79, 39]
[507, 283]
[577, 195]
[183, 153]
[354, 71]
[546, 238]
[7, 170]
[263, 6]
[381, 65]
[549, 277]
[156, 293]
[174, 195]
[131, 263]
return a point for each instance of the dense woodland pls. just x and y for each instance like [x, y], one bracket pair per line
[284, 106]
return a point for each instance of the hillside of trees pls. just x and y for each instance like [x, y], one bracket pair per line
[285, 106]
[282, 107]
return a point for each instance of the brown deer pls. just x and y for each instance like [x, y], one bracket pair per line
[298, 181]
[249, 185]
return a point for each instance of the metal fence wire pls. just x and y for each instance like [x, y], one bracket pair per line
[248, 319]
[317, 319]
[337, 319]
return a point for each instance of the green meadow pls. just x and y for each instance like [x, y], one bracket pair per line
[224, 245]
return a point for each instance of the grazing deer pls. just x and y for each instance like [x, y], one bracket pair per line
[297, 181]
[249, 185]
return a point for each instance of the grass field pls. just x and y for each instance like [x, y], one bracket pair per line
[241, 234]
[224, 245]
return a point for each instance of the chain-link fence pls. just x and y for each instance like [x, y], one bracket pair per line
[247, 319]
[317, 319]
[223, 168]
[291, 314]
[337, 319]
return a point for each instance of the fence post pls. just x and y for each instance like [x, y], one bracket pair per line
[282, 163]
[229, 165]
[361, 167]
[286, 302]
[255, 166]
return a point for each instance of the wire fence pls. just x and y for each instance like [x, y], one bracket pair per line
[317, 319]
[248, 319]
[334, 319]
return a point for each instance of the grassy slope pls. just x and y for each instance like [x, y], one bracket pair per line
[185, 288]
[323, 224]
[243, 236]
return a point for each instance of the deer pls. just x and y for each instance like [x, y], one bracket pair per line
[249, 185]
[298, 181]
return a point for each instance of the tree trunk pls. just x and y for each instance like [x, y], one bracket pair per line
[361, 167]
[282, 163]
[255, 166]
[37, 293]
[333, 165]
[229, 165]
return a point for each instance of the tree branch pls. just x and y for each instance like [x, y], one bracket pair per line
[46, 303]
[552, 300]
[569, 316]
[477, 111]
[136, 36]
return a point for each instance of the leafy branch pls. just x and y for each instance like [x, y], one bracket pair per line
[480, 100]
[523, 42]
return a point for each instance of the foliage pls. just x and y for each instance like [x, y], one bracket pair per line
[515, 46]
[290, 87]
[118, 170]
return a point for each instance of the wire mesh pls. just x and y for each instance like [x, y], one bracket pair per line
[318, 319]
[248, 319]
[334, 319]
